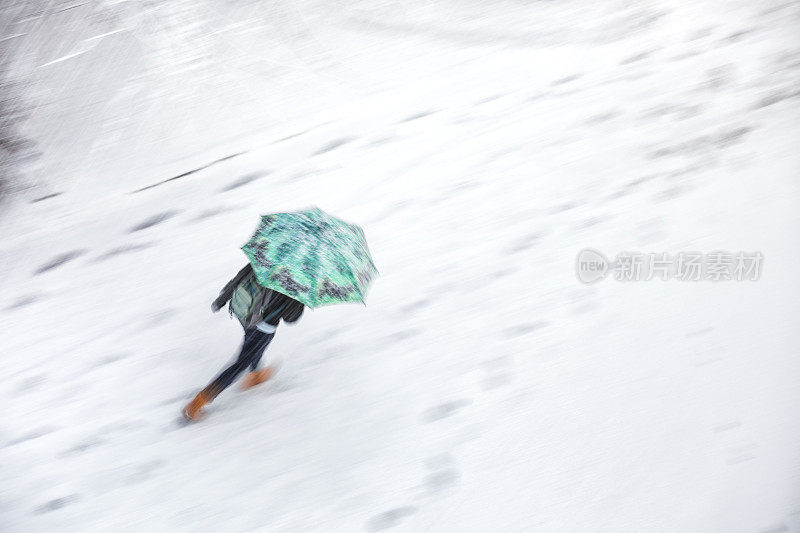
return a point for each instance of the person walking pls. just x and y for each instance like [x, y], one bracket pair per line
[297, 259]
[259, 310]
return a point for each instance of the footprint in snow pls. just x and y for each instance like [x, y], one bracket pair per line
[143, 471]
[417, 116]
[35, 434]
[563, 207]
[390, 518]
[500, 274]
[333, 145]
[82, 447]
[442, 479]
[214, 211]
[59, 260]
[159, 318]
[153, 221]
[524, 329]
[124, 249]
[56, 504]
[415, 306]
[497, 380]
[443, 473]
[497, 371]
[566, 79]
[110, 359]
[602, 117]
[524, 243]
[489, 99]
[636, 57]
[727, 426]
[31, 383]
[244, 180]
[699, 332]
[404, 335]
[24, 301]
[670, 194]
[591, 221]
[445, 410]
[45, 197]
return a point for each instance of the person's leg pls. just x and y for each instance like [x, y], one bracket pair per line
[255, 342]
[270, 331]
[256, 376]
[259, 352]
[257, 360]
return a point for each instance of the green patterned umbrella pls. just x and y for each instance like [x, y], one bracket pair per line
[311, 256]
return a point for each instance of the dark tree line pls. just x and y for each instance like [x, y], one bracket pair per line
[15, 150]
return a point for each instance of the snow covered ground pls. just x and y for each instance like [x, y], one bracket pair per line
[481, 146]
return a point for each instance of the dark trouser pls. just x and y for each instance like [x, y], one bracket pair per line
[255, 342]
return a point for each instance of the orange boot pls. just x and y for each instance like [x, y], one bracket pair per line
[251, 379]
[193, 411]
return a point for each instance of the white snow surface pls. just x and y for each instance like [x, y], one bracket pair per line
[481, 146]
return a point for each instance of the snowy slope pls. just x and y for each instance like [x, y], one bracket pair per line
[483, 388]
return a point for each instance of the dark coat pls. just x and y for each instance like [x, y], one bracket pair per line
[273, 304]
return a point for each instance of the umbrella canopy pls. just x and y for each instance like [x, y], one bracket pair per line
[312, 257]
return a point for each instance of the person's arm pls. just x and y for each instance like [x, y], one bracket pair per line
[293, 312]
[227, 291]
